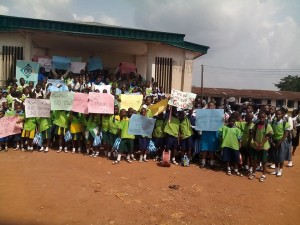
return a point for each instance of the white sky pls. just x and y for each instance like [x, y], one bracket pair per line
[253, 43]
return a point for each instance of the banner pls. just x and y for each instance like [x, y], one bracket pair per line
[7, 124]
[183, 100]
[159, 107]
[102, 87]
[76, 67]
[46, 63]
[131, 101]
[94, 64]
[101, 103]
[80, 103]
[141, 125]
[61, 100]
[56, 85]
[125, 68]
[61, 63]
[27, 70]
[209, 119]
[37, 107]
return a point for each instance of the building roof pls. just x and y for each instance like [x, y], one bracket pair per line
[9, 23]
[247, 93]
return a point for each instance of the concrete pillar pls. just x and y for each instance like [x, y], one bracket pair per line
[28, 47]
[187, 76]
[149, 62]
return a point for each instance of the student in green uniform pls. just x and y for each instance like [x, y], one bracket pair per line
[113, 125]
[104, 128]
[280, 143]
[143, 141]
[230, 137]
[246, 129]
[159, 136]
[76, 129]
[91, 123]
[28, 132]
[44, 127]
[186, 135]
[61, 122]
[260, 145]
[172, 132]
[17, 139]
[127, 140]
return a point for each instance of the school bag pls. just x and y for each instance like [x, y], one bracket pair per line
[116, 145]
[166, 159]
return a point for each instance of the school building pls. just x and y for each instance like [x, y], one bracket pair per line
[259, 97]
[166, 57]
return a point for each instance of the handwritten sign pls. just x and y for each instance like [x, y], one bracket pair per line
[141, 125]
[56, 85]
[102, 87]
[61, 100]
[7, 124]
[101, 103]
[76, 67]
[46, 63]
[37, 107]
[131, 101]
[80, 103]
[159, 107]
[183, 100]
[209, 119]
[27, 70]
[62, 63]
[94, 64]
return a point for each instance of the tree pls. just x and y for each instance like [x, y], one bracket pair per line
[289, 83]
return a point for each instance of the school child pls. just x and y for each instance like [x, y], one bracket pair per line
[104, 127]
[260, 145]
[209, 143]
[17, 139]
[28, 132]
[161, 93]
[76, 130]
[246, 129]
[288, 120]
[280, 143]
[38, 91]
[127, 140]
[172, 132]
[3, 140]
[44, 126]
[230, 137]
[113, 125]
[61, 123]
[159, 136]
[91, 123]
[296, 130]
[186, 135]
[143, 141]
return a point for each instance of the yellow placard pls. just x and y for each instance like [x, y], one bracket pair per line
[159, 107]
[131, 101]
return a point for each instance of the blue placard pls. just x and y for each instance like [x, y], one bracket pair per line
[57, 85]
[209, 119]
[61, 63]
[94, 64]
[141, 125]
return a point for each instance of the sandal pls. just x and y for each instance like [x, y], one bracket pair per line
[229, 172]
[116, 162]
[251, 176]
[262, 179]
[238, 174]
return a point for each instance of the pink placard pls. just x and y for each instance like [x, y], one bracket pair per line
[101, 103]
[126, 67]
[80, 103]
[8, 126]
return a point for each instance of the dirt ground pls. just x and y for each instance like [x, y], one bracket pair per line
[64, 188]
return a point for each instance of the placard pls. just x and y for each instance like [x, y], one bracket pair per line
[183, 100]
[141, 125]
[27, 70]
[101, 103]
[7, 124]
[131, 101]
[80, 103]
[61, 100]
[37, 107]
[209, 119]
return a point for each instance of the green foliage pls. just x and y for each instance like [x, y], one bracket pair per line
[289, 83]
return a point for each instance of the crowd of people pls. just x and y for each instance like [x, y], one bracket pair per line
[250, 138]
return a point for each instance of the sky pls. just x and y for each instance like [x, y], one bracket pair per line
[253, 43]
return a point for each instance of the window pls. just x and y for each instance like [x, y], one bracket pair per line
[245, 100]
[279, 103]
[163, 73]
[257, 101]
[269, 101]
[10, 55]
[290, 104]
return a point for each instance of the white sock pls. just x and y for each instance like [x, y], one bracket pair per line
[203, 161]
[60, 147]
[276, 169]
[228, 168]
[251, 169]
[212, 162]
[141, 157]
[173, 159]
[246, 167]
[132, 156]
[119, 157]
[145, 156]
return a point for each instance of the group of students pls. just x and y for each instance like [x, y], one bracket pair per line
[249, 139]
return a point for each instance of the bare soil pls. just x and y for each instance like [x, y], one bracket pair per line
[64, 188]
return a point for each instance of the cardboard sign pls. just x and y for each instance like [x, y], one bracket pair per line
[101, 103]
[141, 125]
[76, 67]
[80, 103]
[27, 70]
[131, 101]
[183, 100]
[61, 100]
[61, 63]
[159, 107]
[37, 107]
[7, 124]
[209, 119]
